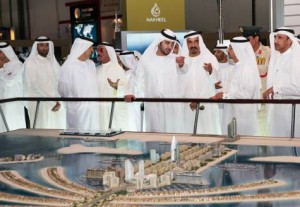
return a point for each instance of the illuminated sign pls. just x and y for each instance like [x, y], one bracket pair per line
[83, 14]
[84, 20]
[155, 15]
[155, 11]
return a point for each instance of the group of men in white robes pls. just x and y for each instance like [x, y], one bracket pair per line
[281, 75]
[243, 83]
[37, 77]
[11, 86]
[225, 68]
[193, 73]
[107, 80]
[162, 71]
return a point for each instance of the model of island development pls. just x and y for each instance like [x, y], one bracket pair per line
[147, 169]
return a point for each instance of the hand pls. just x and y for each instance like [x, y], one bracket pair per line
[113, 84]
[193, 106]
[180, 61]
[129, 98]
[218, 96]
[56, 107]
[208, 67]
[3, 61]
[218, 85]
[1, 64]
[269, 94]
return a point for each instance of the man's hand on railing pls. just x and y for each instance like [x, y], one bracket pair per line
[269, 94]
[218, 96]
[193, 106]
[56, 107]
[129, 98]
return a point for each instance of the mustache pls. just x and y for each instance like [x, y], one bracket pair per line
[193, 48]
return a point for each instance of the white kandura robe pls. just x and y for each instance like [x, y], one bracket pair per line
[223, 74]
[279, 115]
[243, 83]
[114, 72]
[158, 77]
[79, 79]
[11, 86]
[134, 109]
[41, 80]
[224, 70]
[198, 83]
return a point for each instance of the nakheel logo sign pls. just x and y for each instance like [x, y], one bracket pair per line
[156, 12]
[152, 15]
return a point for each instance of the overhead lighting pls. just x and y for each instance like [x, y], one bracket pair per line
[12, 33]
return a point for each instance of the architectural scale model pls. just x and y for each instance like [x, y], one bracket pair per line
[174, 171]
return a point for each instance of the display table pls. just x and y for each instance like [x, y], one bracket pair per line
[256, 170]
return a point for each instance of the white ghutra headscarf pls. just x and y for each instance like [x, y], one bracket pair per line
[246, 56]
[111, 52]
[203, 49]
[165, 34]
[79, 46]
[295, 47]
[223, 46]
[128, 59]
[8, 51]
[51, 55]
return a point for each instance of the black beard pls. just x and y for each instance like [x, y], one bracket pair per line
[194, 50]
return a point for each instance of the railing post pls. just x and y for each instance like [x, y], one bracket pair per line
[293, 120]
[196, 119]
[111, 114]
[293, 127]
[142, 116]
[36, 114]
[4, 120]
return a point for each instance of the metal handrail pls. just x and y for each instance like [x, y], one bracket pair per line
[185, 100]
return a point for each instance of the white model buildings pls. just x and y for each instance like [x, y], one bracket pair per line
[110, 180]
[129, 171]
[174, 144]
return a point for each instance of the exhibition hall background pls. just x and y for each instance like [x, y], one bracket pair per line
[31, 18]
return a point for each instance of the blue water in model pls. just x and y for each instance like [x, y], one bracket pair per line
[234, 170]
